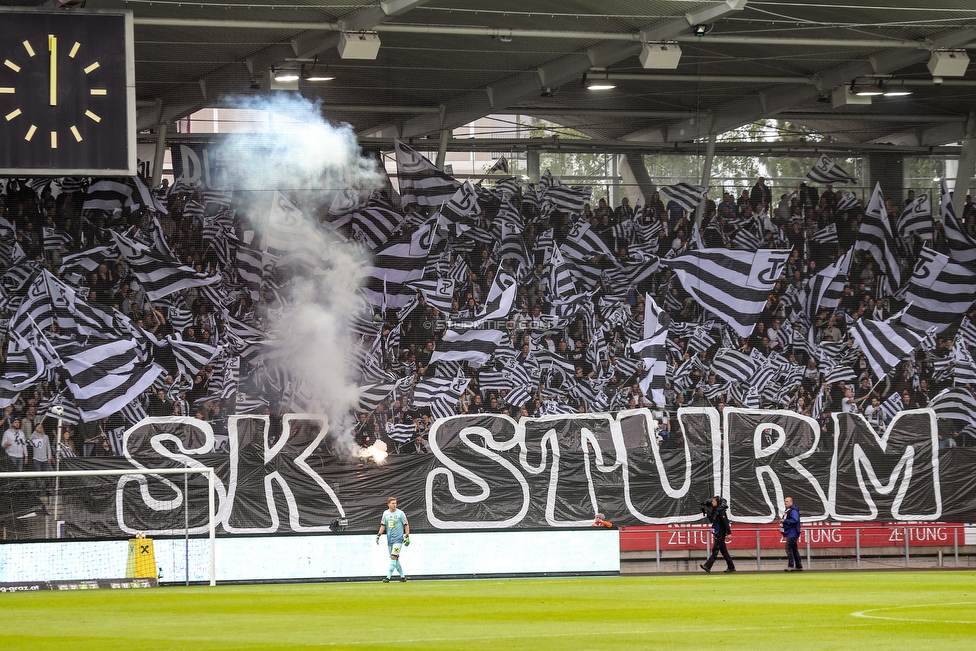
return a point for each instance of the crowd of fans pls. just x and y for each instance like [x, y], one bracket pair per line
[44, 227]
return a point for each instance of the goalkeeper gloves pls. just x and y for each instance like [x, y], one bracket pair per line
[377, 539]
[406, 541]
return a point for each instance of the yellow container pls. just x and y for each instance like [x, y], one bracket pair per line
[141, 563]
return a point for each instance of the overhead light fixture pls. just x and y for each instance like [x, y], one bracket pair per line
[359, 45]
[948, 63]
[546, 92]
[866, 91]
[310, 74]
[844, 96]
[897, 93]
[660, 56]
[701, 30]
[283, 79]
[598, 84]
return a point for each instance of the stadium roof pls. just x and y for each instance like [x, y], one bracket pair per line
[444, 63]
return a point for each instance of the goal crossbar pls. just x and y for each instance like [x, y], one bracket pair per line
[211, 474]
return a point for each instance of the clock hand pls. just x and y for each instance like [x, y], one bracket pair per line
[52, 46]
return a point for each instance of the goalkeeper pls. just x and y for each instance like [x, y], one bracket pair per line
[397, 529]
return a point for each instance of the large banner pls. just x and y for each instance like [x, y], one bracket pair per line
[489, 471]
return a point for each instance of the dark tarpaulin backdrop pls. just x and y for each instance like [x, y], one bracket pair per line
[489, 472]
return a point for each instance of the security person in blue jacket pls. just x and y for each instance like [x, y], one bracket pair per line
[716, 510]
[790, 528]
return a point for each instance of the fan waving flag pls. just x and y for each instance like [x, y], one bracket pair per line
[876, 238]
[735, 285]
[884, 344]
[826, 171]
[916, 219]
[847, 201]
[826, 235]
[962, 246]
[420, 181]
[938, 292]
[686, 195]
[158, 275]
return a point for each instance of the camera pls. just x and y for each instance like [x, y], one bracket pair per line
[57, 410]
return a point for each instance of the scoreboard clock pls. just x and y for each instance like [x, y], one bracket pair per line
[67, 93]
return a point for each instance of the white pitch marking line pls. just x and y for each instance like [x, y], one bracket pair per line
[864, 613]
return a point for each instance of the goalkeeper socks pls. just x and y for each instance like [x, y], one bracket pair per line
[393, 566]
[399, 568]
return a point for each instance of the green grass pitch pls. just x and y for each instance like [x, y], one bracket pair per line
[852, 610]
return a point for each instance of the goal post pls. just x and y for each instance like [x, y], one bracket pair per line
[27, 486]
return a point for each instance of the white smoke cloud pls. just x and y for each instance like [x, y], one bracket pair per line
[308, 160]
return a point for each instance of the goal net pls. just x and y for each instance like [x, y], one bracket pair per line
[47, 531]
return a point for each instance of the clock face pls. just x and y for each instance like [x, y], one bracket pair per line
[65, 93]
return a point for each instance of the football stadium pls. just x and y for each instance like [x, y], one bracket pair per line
[444, 324]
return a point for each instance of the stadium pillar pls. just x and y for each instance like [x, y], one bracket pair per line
[888, 169]
[532, 165]
[157, 168]
[635, 174]
[442, 148]
[967, 166]
[706, 175]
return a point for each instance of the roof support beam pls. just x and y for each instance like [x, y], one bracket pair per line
[312, 43]
[746, 110]
[476, 104]
[967, 165]
[232, 78]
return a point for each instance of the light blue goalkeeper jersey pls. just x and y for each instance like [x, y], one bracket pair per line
[394, 521]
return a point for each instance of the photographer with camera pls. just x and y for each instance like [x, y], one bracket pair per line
[716, 511]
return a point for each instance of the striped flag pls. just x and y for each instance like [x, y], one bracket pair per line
[568, 199]
[373, 226]
[430, 391]
[653, 351]
[420, 181]
[884, 344]
[826, 235]
[939, 291]
[961, 245]
[472, 346]
[734, 285]
[401, 432]
[827, 287]
[395, 265]
[292, 237]
[892, 406]
[501, 295]
[847, 202]
[916, 219]
[106, 377]
[160, 276]
[686, 195]
[875, 237]
[190, 355]
[839, 373]
[371, 395]
[734, 365]
[437, 292]
[956, 403]
[561, 283]
[827, 172]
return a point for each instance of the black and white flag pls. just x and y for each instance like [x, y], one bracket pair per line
[827, 172]
[875, 236]
[686, 195]
[847, 201]
[420, 181]
[884, 344]
[916, 219]
[734, 285]
[826, 235]
[938, 292]
[158, 275]
[472, 346]
[961, 245]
